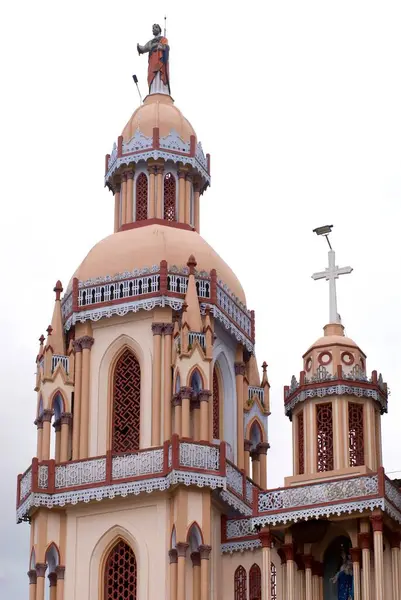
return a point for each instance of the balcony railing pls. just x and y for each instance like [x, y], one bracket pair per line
[64, 360]
[254, 390]
[195, 336]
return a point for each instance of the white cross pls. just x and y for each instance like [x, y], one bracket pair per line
[331, 274]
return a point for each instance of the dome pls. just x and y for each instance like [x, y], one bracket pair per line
[148, 245]
[333, 336]
[158, 110]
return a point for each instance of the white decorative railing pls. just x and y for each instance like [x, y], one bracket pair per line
[233, 311]
[234, 479]
[320, 493]
[59, 358]
[66, 305]
[25, 484]
[43, 477]
[110, 292]
[393, 493]
[80, 473]
[199, 456]
[254, 390]
[238, 528]
[203, 288]
[249, 491]
[194, 335]
[135, 465]
[177, 283]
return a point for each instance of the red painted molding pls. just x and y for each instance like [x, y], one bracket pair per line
[109, 467]
[155, 221]
[156, 137]
[223, 459]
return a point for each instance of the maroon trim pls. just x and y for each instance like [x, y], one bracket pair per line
[156, 137]
[223, 528]
[223, 459]
[322, 354]
[350, 358]
[332, 382]
[155, 221]
[192, 145]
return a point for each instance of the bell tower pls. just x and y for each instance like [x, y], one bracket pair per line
[151, 413]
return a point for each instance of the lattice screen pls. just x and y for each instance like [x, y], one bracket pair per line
[324, 425]
[169, 197]
[126, 403]
[355, 437]
[255, 583]
[120, 573]
[301, 443]
[240, 584]
[273, 578]
[141, 198]
[216, 406]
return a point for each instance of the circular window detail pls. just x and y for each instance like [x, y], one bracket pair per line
[347, 358]
[308, 364]
[324, 358]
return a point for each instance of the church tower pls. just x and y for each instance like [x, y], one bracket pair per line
[151, 414]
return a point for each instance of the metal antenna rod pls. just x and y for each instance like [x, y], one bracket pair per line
[135, 78]
[165, 25]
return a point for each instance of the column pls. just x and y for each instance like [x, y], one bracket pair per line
[86, 345]
[301, 578]
[255, 466]
[53, 586]
[195, 409]
[320, 575]
[196, 575]
[395, 564]
[262, 449]
[117, 189]
[181, 554]
[356, 568]
[377, 526]
[32, 584]
[315, 580]
[152, 192]
[239, 383]
[123, 195]
[57, 430]
[247, 456]
[181, 197]
[66, 419]
[39, 425]
[40, 580]
[46, 418]
[289, 557]
[364, 544]
[60, 570]
[130, 195]
[186, 394]
[204, 396]
[173, 556]
[188, 190]
[77, 400]
[204, 551]
[266, 541]
[177, 404]
[196, 205]
[157, 330]
[159, 192]
[308, 561]
[168, 332]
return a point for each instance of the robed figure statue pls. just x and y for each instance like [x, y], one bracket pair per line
[344, 578]
[158, 48]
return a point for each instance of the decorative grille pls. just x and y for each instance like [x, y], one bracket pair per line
[355, 435]
[141, 198]
[169, 197]
[301, 444]
[324, 423]
[255, 583]
[126, 403]
[120, 573]
[216, 406]
[273, 579]
[240, 584]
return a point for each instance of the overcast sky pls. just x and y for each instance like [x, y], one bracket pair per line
[298, 104]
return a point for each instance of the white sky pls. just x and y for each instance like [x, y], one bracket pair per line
[298, 104]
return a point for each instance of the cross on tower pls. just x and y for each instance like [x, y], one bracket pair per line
[331, 274]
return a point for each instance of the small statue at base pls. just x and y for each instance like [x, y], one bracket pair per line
[345, 578]
[158, 68]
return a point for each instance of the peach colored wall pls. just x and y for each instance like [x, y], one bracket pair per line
[91, 531]
[111, 336]
[49, 387]
[230, 562]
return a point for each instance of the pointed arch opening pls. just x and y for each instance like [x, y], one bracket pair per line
[196, 381]
[141, 197]
[120, 572]
[240, 586]
[255, 583]
[217, 398]
[126, 403]
[169, 197]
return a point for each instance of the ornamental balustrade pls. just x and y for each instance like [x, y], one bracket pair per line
[199, 456]
[254, 390]
[60, 359]
[239, 528]
[239, 314]
[196, 336]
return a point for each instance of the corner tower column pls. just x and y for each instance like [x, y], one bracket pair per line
[205, 551]
[157, 329]
[356, 567]
[364, 544]
[168, 332]
[182, 548]
[117, 189]
[239, 382]
[377, 526]
[266, 541]
[86, 344]
[77, 400]
[32, 584]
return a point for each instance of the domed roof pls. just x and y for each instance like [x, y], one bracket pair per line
[158, 110]
[334, 336]
[148, 245]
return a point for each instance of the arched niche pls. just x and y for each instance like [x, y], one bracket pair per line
[228, 427]
[334, 556]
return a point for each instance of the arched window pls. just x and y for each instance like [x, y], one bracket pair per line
[255, 583]
[273, 579]
[240, 584]
[216, 406]
[355, 436]
[196, 382]
[169, 197]
[126, 403]
[120, 573]
[141, 198]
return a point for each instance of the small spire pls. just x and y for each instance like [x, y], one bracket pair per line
[264, 376]
[49, 330]
[56, 327]
[58, 288]
[42, 339]
[192, 314]
[191, 264]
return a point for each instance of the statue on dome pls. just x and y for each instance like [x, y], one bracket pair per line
[158, 71]
[344, 578]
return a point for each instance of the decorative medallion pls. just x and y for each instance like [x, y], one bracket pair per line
[325, 358]
[347, 358]
[308, 364]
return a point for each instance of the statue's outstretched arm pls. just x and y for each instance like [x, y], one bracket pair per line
[143, 49]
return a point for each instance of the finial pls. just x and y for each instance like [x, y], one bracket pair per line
[49, 330]
[264, 366]
[331, 274]
[191, 264]
[58, 288]
[41, 339]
